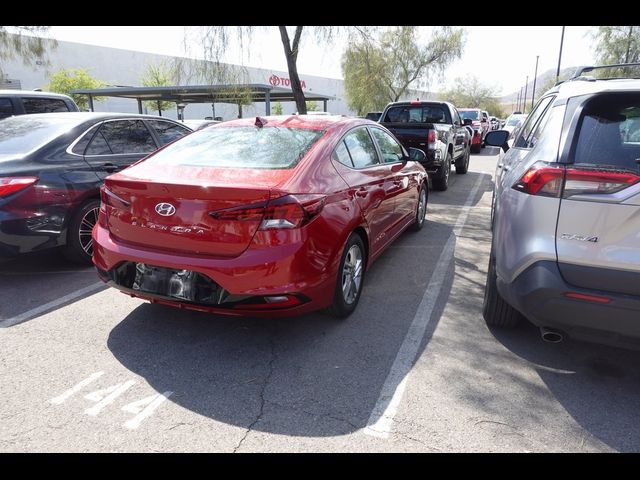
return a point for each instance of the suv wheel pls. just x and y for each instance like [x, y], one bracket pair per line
[462, 165]
[496, 311]
[442, 182]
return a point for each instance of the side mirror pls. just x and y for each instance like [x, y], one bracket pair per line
[497, 138]
[467, 121]
[417, 155]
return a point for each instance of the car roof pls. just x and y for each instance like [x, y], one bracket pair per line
[78, 118]
[32, 93]
[469, 109]
[589, 85]
[309, 122]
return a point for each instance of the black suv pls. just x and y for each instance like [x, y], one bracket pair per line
[22, 102]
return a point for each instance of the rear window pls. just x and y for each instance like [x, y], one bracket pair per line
[418, 114]
[20, 134]
[610, 132]
[240, 147]
[44, 105]
[470, 114]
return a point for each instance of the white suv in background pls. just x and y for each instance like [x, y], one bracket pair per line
[566, 215]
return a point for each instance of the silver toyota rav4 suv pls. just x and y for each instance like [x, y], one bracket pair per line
[566, 215]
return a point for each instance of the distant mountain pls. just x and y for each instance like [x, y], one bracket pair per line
[541, 80]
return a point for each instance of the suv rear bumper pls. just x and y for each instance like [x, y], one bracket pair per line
[539, 294]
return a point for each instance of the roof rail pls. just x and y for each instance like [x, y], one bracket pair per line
[581, 70]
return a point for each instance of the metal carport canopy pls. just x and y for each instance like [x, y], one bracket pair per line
[203, 94]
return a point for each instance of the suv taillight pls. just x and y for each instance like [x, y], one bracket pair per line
[10, 185]
[551, 179]
[432, 138]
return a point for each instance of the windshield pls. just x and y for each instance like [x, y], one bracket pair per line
[240, 147]
[470, 114]
[513, 121]
[23, 134]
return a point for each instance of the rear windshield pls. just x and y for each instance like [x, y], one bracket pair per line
[240, 147]
[470, 114]
[513, 121]
[418, 114]
[23, 134]
[610, 132]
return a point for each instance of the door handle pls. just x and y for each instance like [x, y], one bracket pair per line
[500, 165]
[506, 168]
[109, 167]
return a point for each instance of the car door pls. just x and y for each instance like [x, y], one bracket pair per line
[403, 185]
[598, 239]
[460, 135]
[117, 144]
[371, 184]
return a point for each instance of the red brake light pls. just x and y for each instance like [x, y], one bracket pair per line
[581, 181]
[9, 185]
[291, 211]
[432, 136]
[288, 211]
[541, 179]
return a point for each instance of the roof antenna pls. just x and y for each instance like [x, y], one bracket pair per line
[261, 122]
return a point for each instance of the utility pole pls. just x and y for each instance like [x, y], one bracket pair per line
[524, 103]
[560, 55]
[520, 101]
[535, 77]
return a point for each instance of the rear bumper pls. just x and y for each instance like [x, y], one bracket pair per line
[25, 231]
[433, 162]
[279, 270]
[539, 294]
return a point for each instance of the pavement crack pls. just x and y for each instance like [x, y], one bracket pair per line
[263, 388]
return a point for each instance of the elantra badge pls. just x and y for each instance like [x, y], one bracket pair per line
[165, 209]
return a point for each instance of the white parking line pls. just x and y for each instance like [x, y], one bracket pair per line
[34, 312]
[381, 420]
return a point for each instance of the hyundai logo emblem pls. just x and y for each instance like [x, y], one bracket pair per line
[165, 209]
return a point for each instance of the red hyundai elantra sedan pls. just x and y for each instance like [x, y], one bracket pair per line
[269, 217]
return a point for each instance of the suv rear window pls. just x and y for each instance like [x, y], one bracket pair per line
[610, 132]
[240, 147]
[418, 114]
[44, 105]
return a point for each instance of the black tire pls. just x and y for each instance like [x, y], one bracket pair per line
[476, 148]
[79, 246]
[495, 310]
[442, 182]
[341, 307]
[420, 213]
[462, 165]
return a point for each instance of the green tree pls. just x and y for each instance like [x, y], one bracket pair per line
[381, 67]
[158, 75]
[23, 43]
[470, 92]
[277, 108]
[216, 40]
[616, 44]
[312, 106]
[64, 81]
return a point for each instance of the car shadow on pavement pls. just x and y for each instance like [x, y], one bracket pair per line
[597, 385]
[312, 375]
[486, 152]
[46, 276]
[470, 179]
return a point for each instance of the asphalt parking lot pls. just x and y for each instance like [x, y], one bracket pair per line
[415, 368]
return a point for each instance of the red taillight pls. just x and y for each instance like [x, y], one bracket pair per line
[432, 137]
[582, 181]
[291, 211]
[9, 185]
[551, 179]
[288, 211]
[587, 298]
[541, 179]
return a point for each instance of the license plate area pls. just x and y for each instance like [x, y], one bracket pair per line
[175, 284]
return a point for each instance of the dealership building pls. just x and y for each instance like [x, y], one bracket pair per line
[124, 68]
